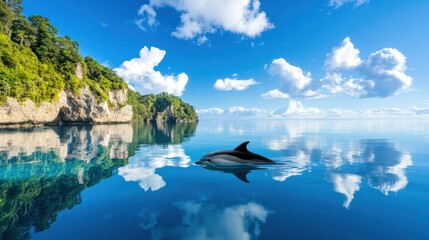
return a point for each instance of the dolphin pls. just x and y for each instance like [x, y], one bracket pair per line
[238, 161]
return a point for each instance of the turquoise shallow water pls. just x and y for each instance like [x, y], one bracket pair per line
[337, 179]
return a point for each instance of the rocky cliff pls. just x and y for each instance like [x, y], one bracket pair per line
[69, 108]
[44, 80]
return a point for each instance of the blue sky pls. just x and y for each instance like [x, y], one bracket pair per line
[325, 54]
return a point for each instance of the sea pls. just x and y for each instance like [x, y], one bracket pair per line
[333, 179]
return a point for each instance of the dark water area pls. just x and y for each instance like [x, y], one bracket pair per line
[335, 179]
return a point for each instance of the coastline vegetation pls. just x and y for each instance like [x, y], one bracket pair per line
[37, 64]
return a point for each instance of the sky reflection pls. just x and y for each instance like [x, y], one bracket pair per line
[202, 220]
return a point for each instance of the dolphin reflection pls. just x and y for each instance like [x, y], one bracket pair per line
[238, 161]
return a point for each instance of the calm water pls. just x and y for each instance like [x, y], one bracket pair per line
[337, 180]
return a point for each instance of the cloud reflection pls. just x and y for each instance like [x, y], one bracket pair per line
[142, 166]
[346, 184]
[347, 163]
[201, 220]
[385, 165]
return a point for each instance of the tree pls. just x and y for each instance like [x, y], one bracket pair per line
[6, 18]
[23, 32]
[14, 5]
[45, 46]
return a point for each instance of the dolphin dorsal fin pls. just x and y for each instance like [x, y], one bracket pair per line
[242, 147]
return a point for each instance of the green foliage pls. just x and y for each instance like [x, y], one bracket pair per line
[36, 63]
[23, 77]
[6, 17]
[163, 107]
[102, 79]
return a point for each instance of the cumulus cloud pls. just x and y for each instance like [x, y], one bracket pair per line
[338, 3]
[233, 111]
[296, 108]
[229, 84]
[381, 75]
[211, 111]
[295, 82]
[239, 111]
[275, 93]
[385, 73]
[345, 56]
[140, 75]
[293, 77]
[202, 17]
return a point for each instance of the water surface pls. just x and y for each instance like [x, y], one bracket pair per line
[338, 179]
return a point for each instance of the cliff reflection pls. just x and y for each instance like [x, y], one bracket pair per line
[44, 170]
[161, 148]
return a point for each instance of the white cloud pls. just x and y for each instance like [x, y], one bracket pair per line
[338, 3]
[211, 111]
[294, 78]
[420, 111]
[148, 16]
[228, 84]
[385, 73]
[332, 82]
[295, 82]
[201, 40]
[140, 75]
[296, 108]
[381, 75]
[233, 111]
[275, 93]
[345, 56]
[142, 166]
[206, 16]
[239, 111]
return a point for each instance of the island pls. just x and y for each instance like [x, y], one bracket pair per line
[45, 80]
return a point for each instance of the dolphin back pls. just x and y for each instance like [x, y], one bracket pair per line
[242, 147]
[244, 153]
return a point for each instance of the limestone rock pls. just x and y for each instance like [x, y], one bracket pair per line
[69, 108]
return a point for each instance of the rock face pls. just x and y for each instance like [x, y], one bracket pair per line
[166, 114]
[69, 108]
